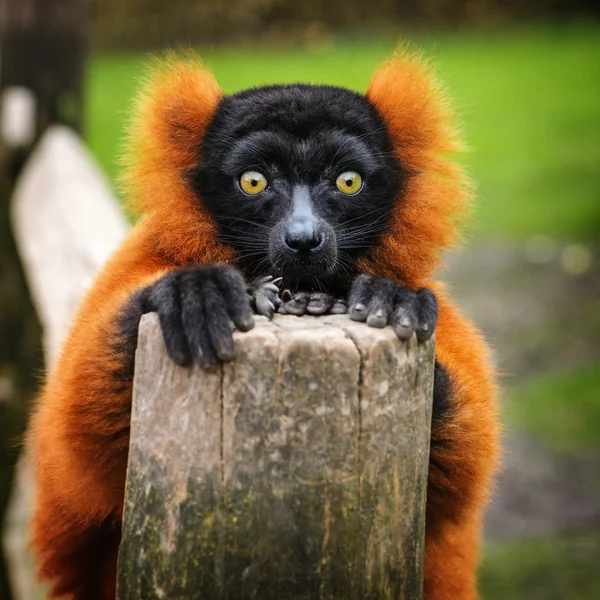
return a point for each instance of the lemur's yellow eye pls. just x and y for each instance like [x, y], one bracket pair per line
[253, 182]
[349, 182]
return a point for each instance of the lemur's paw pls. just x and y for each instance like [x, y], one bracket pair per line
[195, 306]
[312, 303]
[382, 302]
[263, 294]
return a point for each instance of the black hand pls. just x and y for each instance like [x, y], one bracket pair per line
[263, 295]
[195, 306]
[382, 302]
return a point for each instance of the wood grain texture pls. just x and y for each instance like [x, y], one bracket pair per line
[297, 471]
[66, 223]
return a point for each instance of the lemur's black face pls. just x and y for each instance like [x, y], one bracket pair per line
[300, 180]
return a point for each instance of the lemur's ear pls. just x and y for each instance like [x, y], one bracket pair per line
[174, 108]
[412, 105]
[170, 119]
[406, 94]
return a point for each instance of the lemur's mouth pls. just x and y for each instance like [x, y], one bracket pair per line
[305, 265]
[304, 271]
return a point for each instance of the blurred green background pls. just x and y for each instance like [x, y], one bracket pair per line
[525, 79]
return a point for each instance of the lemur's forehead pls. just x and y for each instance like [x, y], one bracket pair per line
[300, 109]
[312, 155]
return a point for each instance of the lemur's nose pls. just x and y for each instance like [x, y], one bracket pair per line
[302, 232]
[302, 235]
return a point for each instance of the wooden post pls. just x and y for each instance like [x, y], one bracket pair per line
[298, 471]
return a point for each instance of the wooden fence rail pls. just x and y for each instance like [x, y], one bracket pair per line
[297, 471]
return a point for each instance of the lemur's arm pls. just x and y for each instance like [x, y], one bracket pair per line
[79, 433]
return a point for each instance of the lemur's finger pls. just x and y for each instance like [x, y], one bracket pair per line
[381, 305]
[266, 280]
[358, 312]
[195, 325]
[297, 305]
[233, 289]
[360, 291]
[359, 297]
[405, 317]
[217, 324]
[340, 307]
[263, 280]
[163, 297]
[319, 303]
[378, 317]
[264, 304]
[428, 314]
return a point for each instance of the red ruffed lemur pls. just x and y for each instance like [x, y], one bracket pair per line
[350, 199]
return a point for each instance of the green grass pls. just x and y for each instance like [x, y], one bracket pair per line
[563, 568]
[529, 101]
[562, 409]
[532, 116]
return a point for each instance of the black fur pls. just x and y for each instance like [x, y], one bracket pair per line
[442, 395]
[301, 137]
[440, 444]
[126, 334]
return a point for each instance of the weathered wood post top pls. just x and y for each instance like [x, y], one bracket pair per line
[297, 471]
